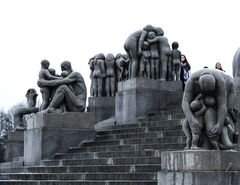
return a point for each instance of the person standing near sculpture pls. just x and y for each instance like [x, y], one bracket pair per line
[218, 66]
[71, 92]
[133, 47]
[215, 84]
[184, 71]
[45, 74]
[176, 58]
[110, 75]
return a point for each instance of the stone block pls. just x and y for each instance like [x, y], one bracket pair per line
[138, 96]
[48, 134]
[102, 107]
[198, 178]
[14, 145]
[200, 160]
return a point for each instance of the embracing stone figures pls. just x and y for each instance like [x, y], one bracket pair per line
[65, 93]
[106, 71]
[150, 55]
[208, 103]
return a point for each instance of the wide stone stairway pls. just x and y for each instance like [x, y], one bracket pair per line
[120, 155]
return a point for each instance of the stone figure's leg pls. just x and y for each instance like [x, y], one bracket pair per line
[210, 121]
[46, 94]
[164, 60]
[187, 132]
[95, 87]
[157, 61]
[107, 86]
[148, 70]
[100, 87]
[225, 143]
[152, 69]
[178, 73]
[113, 88]
[196, 137]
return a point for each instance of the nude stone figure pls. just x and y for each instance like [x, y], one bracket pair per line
[176, 60]
[165, 55]
[219, 95]
[71, 92]
[133, 47]
[110, 85]
[19, 113]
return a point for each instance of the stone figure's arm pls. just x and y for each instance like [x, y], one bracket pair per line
[49, 76]
[141, 40]
[202, 110]
[103, 70]
[55, 83]
[156, 39]
[187, 98]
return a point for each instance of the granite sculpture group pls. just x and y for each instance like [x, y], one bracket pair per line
[208, 100]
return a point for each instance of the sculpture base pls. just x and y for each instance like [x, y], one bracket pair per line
[102, 107]
[14, 145]
[48, 134]
[199, 167]
[138, 96]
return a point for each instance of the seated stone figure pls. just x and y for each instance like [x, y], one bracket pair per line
[31, 96]
[71, 92]
[219, 94]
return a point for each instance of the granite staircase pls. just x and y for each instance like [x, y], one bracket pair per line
[126, 154]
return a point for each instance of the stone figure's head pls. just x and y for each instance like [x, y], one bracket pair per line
[151, 35]
[148, 28]
[159, 31]
[45, 64]
[64, 74]
[175, 45]
[207, 82]
[52, 71]
[31, 96]
[195, 105]
[66, 66]
[110, 57]
[145, 45]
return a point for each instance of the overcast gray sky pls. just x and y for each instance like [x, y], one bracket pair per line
[208, 31]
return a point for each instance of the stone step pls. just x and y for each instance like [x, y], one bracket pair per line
[146, 123]
[103, 161]
[98, 155]
[85, 168]
[140, 135]
[141, 129]
[159, 139]
[155, 146]
[81, 176]
[80, 182]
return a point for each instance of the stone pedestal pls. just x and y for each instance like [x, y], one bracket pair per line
[102, 107]
[48, 134]
[14, 145]
[138, 96]
[199, 168]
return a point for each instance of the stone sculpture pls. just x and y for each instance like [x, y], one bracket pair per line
[236, 64]
[110, 83]
[165, 54]
[208, 103]
[19, 113]
[122, 66]
[133, 47]
[70, 91]
[145, 61]
[176, 60]
[46, 73]
[99, 74]
[90, 63]
[154, 56]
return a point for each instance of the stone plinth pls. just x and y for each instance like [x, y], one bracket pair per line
[102, 107]
[199, 167]
[14, 145]
[48, 134]
[138, 96]
[200, 160]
